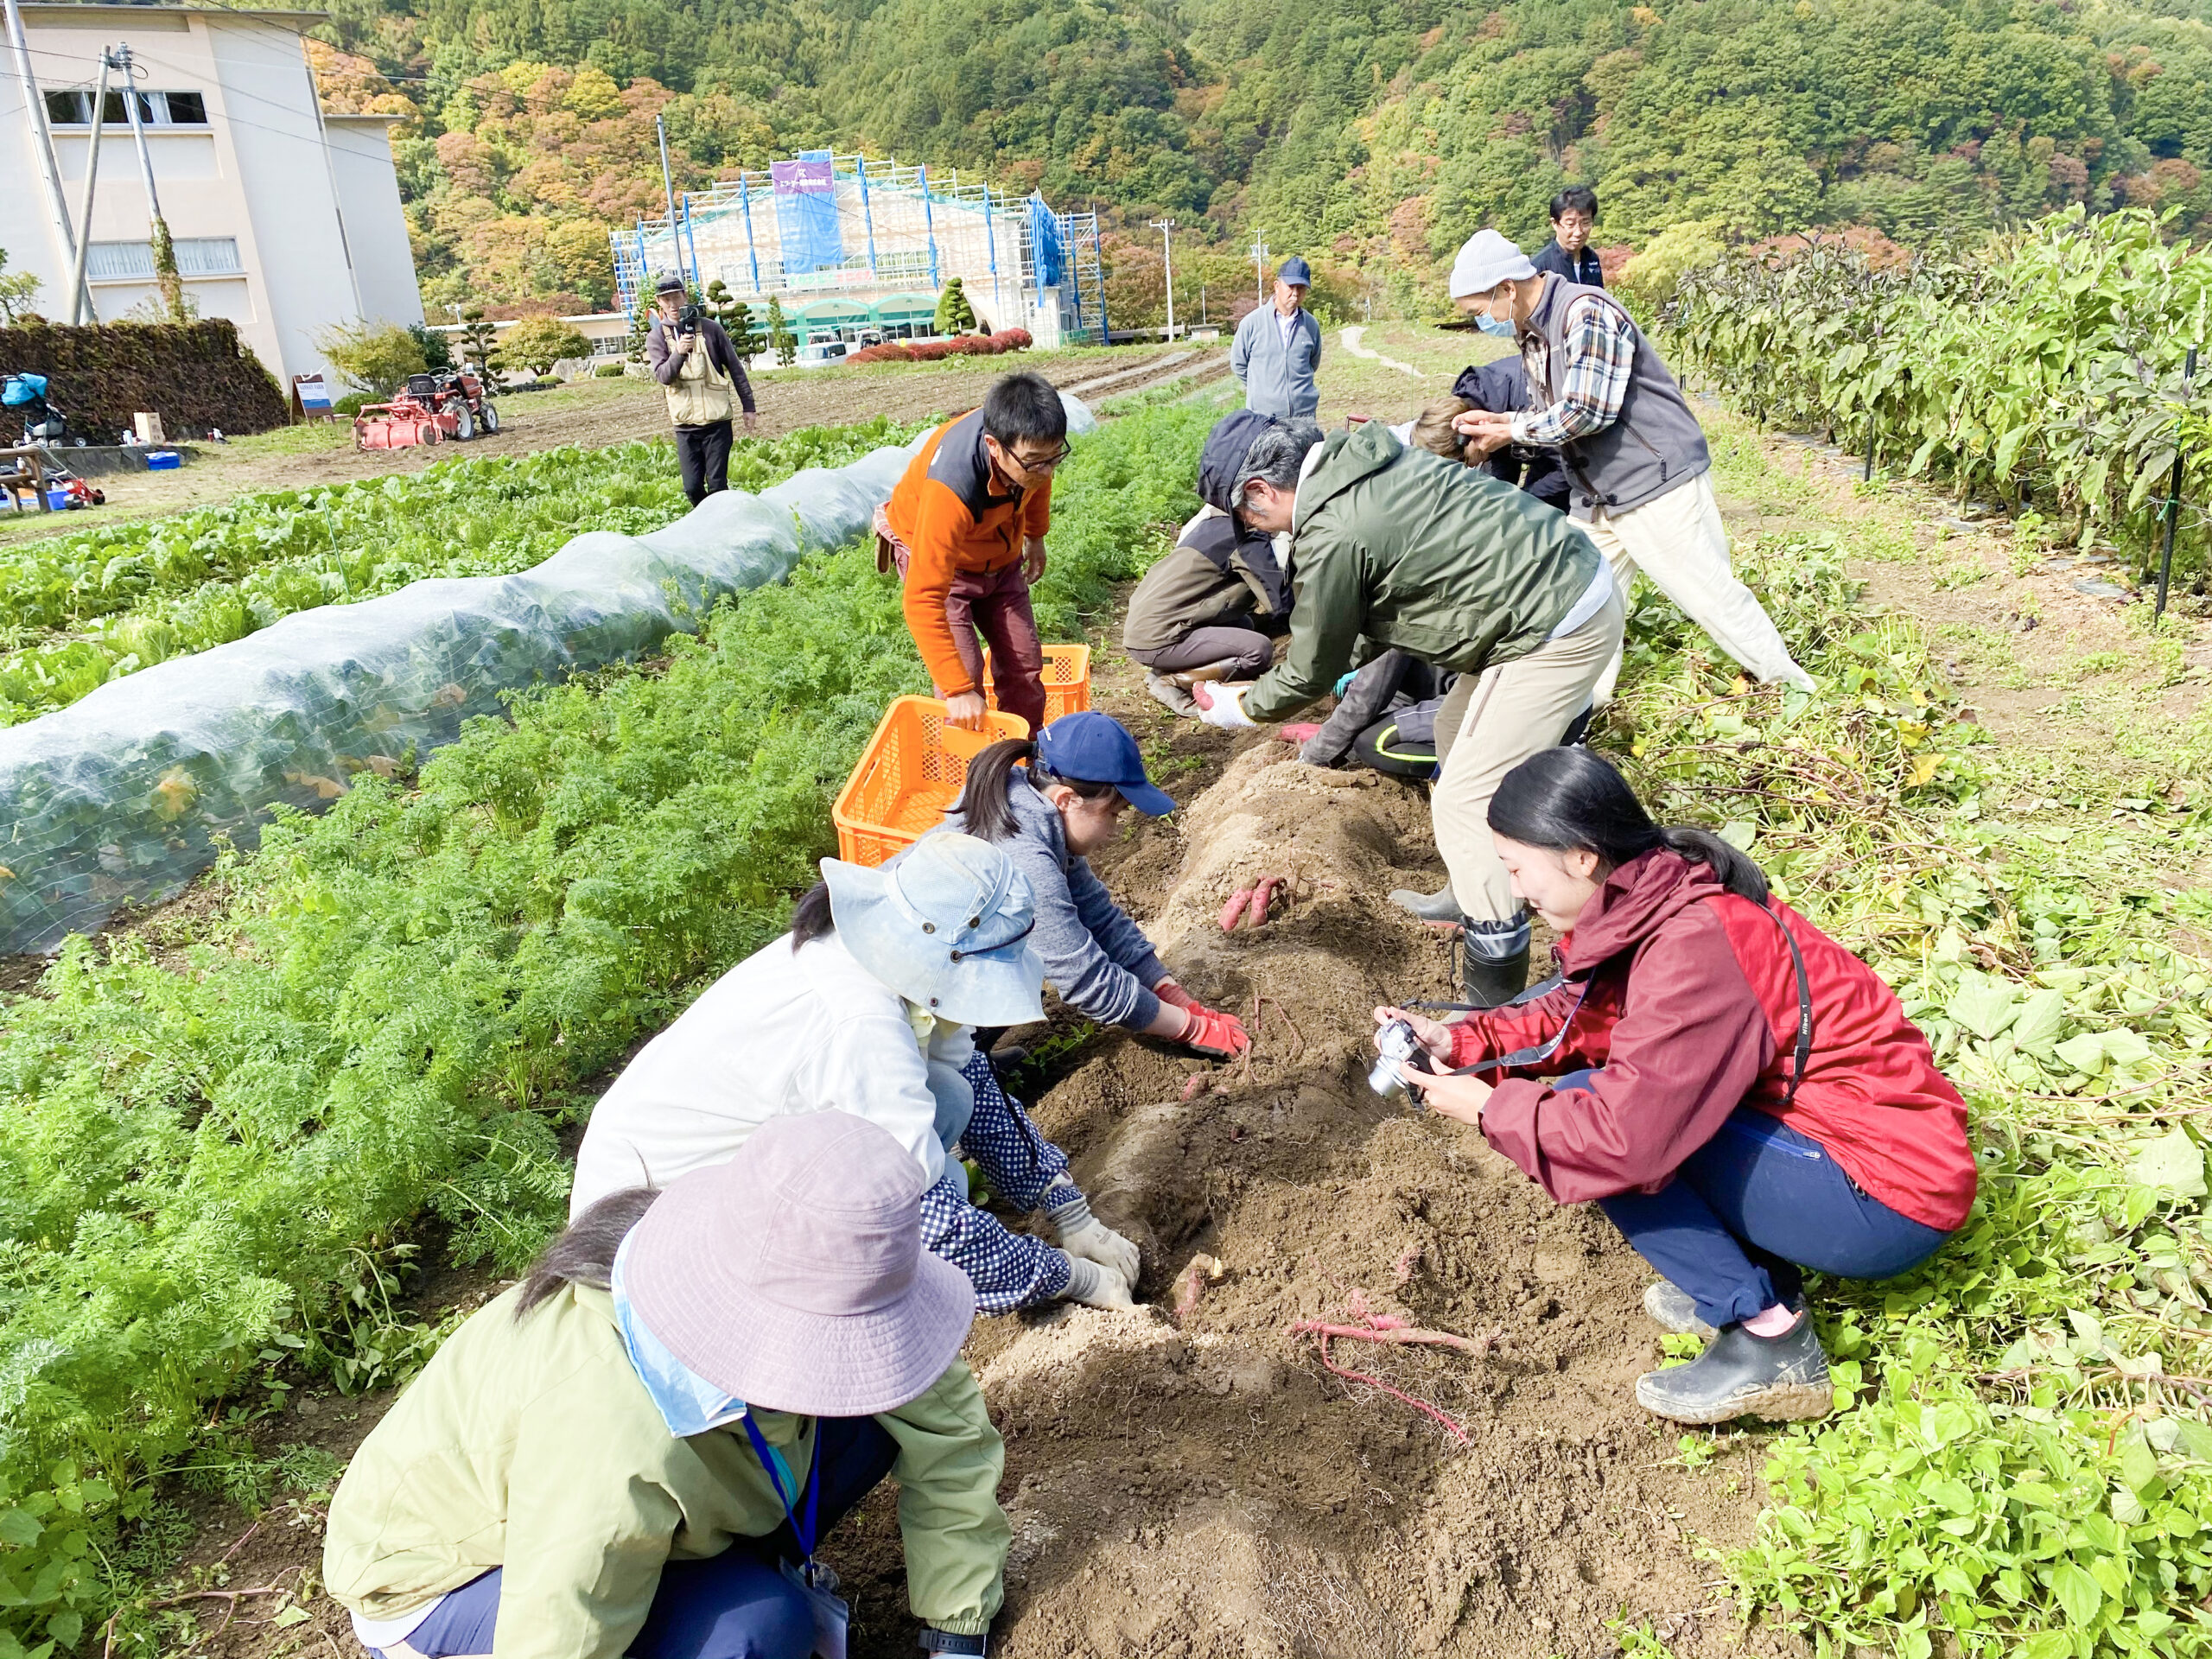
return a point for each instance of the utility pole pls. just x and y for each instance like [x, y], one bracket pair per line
[1167, 229]
[80, 290]
[42, 146]
[165, 273]
[1259, 252]
[668, 184]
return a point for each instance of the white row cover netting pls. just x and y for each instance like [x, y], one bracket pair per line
[121, 796]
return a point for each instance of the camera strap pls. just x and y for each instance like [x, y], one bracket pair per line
[1801, 1058]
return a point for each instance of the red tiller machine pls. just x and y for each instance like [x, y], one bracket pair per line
[431, 409]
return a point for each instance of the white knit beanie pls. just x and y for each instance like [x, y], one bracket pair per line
[1485, 260]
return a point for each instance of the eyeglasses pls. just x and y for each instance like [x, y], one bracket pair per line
[1039, 463]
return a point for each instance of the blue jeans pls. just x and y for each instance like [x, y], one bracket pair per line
[1753, 1207]
[733, 1606]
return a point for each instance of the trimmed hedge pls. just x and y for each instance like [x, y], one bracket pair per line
[194, 375]
[933, 351]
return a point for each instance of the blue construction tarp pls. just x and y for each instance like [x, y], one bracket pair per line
[806, 212]
[1047, 248]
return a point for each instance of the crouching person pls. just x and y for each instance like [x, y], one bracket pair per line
[1213, 606]
[869, 1006]
[639, 1448]
[1049, 804]
[1740, 1094]
[1404, 550]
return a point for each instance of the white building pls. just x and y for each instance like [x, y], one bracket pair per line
[286, 219]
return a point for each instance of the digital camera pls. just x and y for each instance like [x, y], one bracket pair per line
[1398, 1044]
[687, 321]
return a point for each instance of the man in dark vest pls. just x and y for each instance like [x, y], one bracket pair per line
[1638, 471]
[1213, 606]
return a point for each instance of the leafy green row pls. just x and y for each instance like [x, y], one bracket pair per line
[199, 1169]
[2046, 367]
[2019, 1471]
[137, 594]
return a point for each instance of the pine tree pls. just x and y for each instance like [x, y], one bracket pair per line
[954, 315]
[779, 332]
[735, 317]
[480, 348]
[641, 323]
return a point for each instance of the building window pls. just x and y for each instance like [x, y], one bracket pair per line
[196, 256]
[74, 108]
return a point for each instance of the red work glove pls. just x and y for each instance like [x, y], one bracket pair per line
[1174, 995]
[1217, 1035]
[1300, 732]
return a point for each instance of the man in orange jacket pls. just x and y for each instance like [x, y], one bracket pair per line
[966, 529]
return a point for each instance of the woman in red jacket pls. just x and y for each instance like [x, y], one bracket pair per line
[1740, 1094]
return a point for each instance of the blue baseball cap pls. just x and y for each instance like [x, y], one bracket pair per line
[1096, 748]
[1295, 269]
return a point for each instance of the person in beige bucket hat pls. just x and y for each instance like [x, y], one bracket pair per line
[645, 1440]
[870, 1005]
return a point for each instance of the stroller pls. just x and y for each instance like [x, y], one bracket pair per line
[24, 397]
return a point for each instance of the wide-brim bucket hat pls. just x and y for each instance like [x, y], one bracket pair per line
[793, 1276]
[945, 924]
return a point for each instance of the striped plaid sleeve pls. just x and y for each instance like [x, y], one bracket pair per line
[1601, 349]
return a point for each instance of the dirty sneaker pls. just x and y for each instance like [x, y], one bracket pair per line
[1673, 1307]
[1173, 694]
[1781, 1379]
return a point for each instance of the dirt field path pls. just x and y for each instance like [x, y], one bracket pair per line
[593, 414]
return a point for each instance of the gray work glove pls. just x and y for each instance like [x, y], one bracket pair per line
[1084, 1235]
[1096, 1286]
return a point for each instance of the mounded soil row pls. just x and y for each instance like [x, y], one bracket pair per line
[1205, 1487]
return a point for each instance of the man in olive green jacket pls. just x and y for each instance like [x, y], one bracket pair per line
[1406, 550]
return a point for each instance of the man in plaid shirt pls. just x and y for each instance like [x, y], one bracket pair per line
[1635, 455]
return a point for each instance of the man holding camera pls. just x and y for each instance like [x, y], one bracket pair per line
[699, 372]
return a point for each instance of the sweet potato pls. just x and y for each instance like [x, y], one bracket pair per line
[1235, 907]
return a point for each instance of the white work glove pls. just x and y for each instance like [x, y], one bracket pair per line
[1098, 1287]
[1222, 706]
[1084, 1235]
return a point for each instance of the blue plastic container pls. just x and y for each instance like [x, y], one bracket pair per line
[163, 460]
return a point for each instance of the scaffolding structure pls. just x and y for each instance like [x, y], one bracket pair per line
[853, 247]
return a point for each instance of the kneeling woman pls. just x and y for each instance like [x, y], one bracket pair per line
[635, 1450]
[1048, 816]
[1744, 1097]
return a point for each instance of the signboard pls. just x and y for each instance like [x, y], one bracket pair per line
[806, 213]
[310, 397]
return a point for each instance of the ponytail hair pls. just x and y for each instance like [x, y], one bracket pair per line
[983, 809]
[584, 1253]
[1569, 800]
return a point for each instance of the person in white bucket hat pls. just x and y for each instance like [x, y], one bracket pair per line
[1638, 466]
[870, 1005]
[637, 1449]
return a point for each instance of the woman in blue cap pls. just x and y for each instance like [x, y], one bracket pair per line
[869, 1006]
[1050, 803]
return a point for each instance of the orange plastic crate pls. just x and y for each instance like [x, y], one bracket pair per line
[912, 769]
[1067, 680]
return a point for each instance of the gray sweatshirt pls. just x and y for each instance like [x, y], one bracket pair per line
[1278, 379]
[1096, 957]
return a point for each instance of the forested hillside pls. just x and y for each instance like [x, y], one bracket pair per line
[1375, 136]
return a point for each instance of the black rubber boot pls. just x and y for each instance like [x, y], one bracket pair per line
[1781, 1379]
[1578, 728]
[1492, 982]
[1435, 908]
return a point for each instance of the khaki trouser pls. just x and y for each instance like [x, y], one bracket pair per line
[1679, 542]
[1497, 720]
